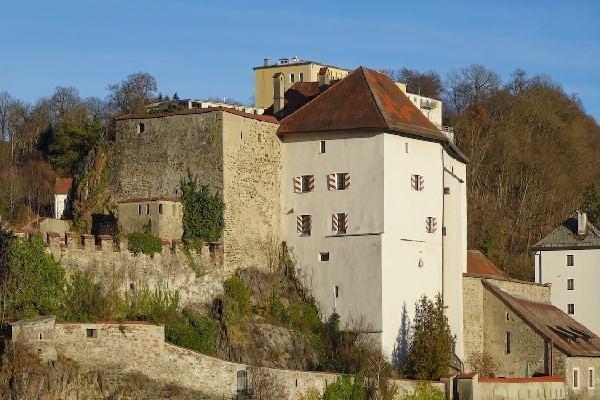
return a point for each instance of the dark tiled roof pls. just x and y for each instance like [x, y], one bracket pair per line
[565, 237]
[567, 335]
[298, 95]
[365, 99]
[62, 185]
[264, 118]
[478, 264]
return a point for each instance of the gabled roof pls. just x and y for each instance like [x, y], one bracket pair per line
[365, 99]
[567, 335]
[62, 185]
[565, 237]
[478, 264]
[298, 95]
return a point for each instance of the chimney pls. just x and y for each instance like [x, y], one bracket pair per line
[266, 62]
[581, 223]
[323, 76]
[278, 92]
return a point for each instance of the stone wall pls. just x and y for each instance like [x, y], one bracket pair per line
[197, 277]
[585, 390]
[473, 292]
[152, 163]
[140, 348]
[475, 388]
[251, 191]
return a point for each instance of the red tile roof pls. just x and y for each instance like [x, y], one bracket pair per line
[62, 185]
[298, 95]
[365, 99]
[566, 334]
[478, 264]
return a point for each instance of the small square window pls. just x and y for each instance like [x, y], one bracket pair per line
[324, 256]
[570, 284]
[570, 260]
[322, 149]
[91, 333]
[571, 309]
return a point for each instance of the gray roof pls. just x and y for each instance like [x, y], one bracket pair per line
[565, 237]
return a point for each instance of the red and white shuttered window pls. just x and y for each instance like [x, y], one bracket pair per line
[417, 182]
[338, 181]
[303, 224]
[430, 224]
[339, 223]
[304, 183]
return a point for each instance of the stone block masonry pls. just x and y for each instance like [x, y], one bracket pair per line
[196, 276]
[140, 348]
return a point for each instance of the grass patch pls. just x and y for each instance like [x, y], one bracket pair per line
[143, 243]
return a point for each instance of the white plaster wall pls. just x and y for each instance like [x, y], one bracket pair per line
[405, 240]
[355, 258]
[59, 205]
[586, 275]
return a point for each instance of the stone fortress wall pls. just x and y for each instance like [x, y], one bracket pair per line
[140, 348]
[197, 276]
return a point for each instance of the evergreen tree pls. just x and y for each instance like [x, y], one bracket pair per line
[175, 97]
[400, 352]
[591, 204]
[432, 344]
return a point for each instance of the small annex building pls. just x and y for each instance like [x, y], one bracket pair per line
[514, 324]
[62, 187]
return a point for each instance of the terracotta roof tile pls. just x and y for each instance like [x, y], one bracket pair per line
[478, 264]
[365, 99]
[567, 335]
[62, 185]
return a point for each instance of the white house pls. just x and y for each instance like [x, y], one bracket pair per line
[62, 186]
[569, 259]
[374, 203]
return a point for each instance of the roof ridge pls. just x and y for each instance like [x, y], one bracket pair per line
[378, 106]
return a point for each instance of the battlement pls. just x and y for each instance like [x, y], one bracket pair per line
[211, 252]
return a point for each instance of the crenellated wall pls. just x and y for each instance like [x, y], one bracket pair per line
[198, 276]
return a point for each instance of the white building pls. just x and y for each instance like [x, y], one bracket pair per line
[374, 203]
[569, 259]
[62, 186]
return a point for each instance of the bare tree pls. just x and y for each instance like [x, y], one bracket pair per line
[470, 85]
[5, 100]
[132, 95]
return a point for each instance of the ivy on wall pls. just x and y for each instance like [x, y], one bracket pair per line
[202, 212]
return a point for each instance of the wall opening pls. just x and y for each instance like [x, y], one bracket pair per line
[91, 333]
[141, 127]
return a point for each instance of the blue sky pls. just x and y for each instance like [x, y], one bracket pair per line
[202, 48]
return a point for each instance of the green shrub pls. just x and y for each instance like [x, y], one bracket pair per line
[202, 212]
[192, 331]
[32, 282]
[237, 297]
[424, 391]
[86, 301]
[143, 243]
[158, 306]
[346, 388]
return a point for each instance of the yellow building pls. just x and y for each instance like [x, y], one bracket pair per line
[294, 70]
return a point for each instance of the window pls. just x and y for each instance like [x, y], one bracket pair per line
[304, 183]
[337, 291]
[304, 224]
[147, 208]
[291, 78]
[324, 256]
[301, 77]
[507, 343]
[322, 150]
[91, 333]
[141, 127]
[406, 147]
[570, 284]
[446, 190]
[507, 316]
[339, 181]
[570, 260]
[139, 209]
[339, 223]
[160, 208]
[430, 224]
[575, 378]
[41, 337]
[571, 309]
[417, 182]
[591, 383]
[242, 383]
